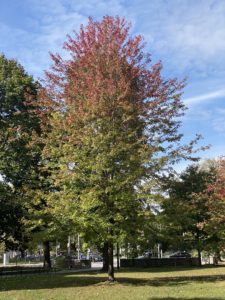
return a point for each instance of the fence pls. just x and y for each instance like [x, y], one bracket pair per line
[158, 262]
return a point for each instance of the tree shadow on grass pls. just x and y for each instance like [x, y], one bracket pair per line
[33, 282]
[171, 281]
[169, 269]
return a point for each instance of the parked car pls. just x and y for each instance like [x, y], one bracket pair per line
[181, 254]
[83, 257]
[147, 254]
[96, 258]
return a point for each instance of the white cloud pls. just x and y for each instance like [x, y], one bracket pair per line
[218, 122]
[204, 97]
[185, 34]
[31, 46]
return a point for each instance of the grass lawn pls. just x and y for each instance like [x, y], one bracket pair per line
[150, 284]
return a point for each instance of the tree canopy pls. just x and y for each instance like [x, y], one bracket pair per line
[17, 157]
[115, 125]
[186, 208]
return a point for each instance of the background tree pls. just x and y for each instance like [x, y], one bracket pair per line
[16, 121]
[11, 213]
[116, 127]
[215, 195]
[39, 220]
[22, 124]
[17, 125]
[186, 209]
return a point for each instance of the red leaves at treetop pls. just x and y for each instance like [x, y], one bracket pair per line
[107, 67]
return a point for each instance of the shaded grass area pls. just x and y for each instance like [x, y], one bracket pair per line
[149, 284]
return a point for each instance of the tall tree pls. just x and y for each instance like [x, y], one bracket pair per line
[17, 125]
[116, 127]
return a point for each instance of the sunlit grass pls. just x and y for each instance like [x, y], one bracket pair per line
[150, 284]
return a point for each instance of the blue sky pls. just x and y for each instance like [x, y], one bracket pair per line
[188, 36]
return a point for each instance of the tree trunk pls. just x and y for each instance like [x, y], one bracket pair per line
[111, 266]
[218, 256]
[118, 255]
[47, 260]
[105, 257]
[199, 257]
[199, 250]
[22, 251]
